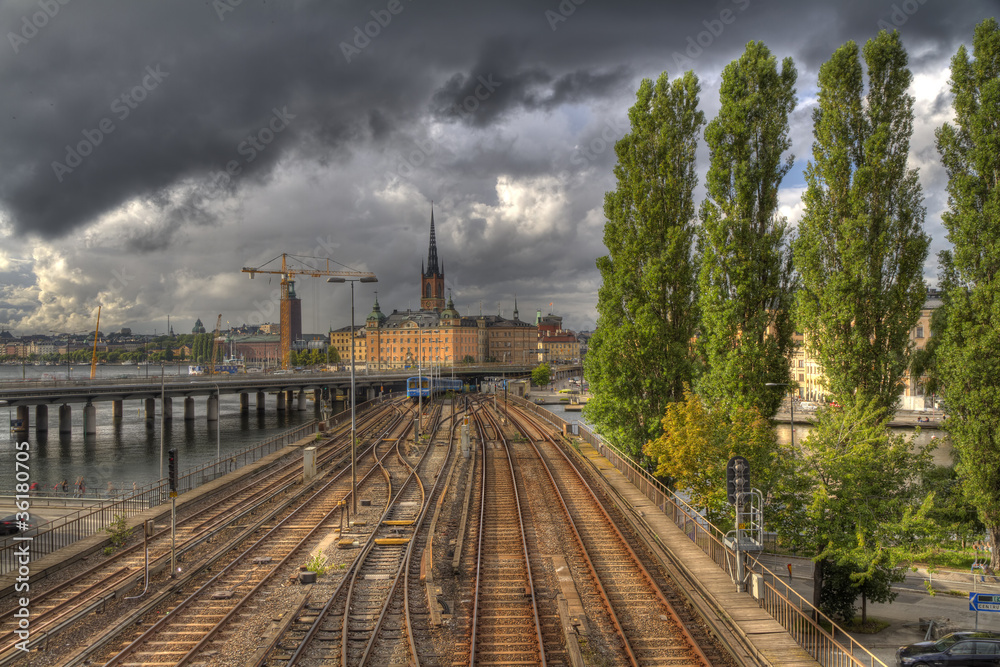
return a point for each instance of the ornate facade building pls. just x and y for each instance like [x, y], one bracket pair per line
[437, 335]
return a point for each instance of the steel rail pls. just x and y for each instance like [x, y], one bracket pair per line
[625, 542]
[524, 552]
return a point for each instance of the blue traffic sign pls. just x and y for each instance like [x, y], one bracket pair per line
[984, 602]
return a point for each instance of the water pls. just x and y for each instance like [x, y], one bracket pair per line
[128, 453]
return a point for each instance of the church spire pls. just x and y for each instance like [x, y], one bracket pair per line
[432, 251]
[515, 306]
[432, 276]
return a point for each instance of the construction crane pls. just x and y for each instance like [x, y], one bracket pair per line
[288, 274]
[93, 358]
[215, 345]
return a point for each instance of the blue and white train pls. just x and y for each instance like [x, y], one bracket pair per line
[423, 386]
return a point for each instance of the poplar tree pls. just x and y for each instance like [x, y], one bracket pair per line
[968, 361]
[746, 278]
[641, 355]
[861, 247]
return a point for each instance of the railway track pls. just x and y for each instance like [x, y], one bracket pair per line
[504, 627]
[59, 607]
[509, 538]
[221, 602]
[650, 626]
[364, 620]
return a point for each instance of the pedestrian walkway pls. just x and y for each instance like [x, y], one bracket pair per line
[762, 640]
[910, 614]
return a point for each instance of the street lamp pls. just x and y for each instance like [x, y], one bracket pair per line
[791, 410]
[354, 475]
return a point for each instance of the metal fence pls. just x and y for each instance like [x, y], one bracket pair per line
[87, 521]
[797, 615]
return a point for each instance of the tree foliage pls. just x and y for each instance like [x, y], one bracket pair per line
[968, 355]
[640, 355]
[856, 506]
[861, 246]
[697, 442]
[541, 375]
[746, 277]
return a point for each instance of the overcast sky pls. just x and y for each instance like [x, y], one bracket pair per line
[150, 150]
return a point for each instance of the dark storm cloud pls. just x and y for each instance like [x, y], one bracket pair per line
[373, 104]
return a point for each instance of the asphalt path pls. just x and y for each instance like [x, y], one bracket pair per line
[913, 607]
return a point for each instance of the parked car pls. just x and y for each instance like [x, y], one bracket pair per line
[808, 405]
[9, 525]
[957, 648]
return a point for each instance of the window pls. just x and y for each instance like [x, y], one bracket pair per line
[802, 363]
[920, 332]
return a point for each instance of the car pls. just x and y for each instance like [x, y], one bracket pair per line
[957, 648]
[808, 405]
[10, 525]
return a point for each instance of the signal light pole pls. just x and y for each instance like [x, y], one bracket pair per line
[354, 475]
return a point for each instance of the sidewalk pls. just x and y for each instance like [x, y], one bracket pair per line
[913, 605]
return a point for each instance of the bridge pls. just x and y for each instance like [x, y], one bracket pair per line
[289, 388]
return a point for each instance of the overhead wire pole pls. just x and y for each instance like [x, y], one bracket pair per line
[354, 476]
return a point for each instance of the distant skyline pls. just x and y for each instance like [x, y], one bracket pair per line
[149, 151]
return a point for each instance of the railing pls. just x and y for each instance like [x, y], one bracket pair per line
[800, 618]
[84, 522]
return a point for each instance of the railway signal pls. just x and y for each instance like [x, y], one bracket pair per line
[172, 470]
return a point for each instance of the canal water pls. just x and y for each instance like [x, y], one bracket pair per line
[128, 453]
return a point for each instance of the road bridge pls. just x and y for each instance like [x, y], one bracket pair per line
[289, 388]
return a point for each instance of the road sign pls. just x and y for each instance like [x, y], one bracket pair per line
[984, 602]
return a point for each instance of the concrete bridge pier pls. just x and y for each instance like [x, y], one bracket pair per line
[370, 394]
[150, 409]
[289, 398]
[261, 398]
[41, 418]
[302, 400]
[117, 411]
[244, 402]
[281, 401]
[168, 408]
[22, 416]
[317, 396]
[188, 409]
[213, 408]
[89, 419]
[65, 418]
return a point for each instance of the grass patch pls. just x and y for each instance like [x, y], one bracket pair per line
[870, 627]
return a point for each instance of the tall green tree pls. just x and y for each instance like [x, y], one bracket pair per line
[968, 361]
[641, 355]
[861, 246]
[746, 279]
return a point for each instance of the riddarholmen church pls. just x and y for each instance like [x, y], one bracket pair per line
[437, 334]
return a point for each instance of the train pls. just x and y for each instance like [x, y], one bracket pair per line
[422, 386]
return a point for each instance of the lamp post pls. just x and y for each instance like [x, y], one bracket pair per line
[354, 475]
[791, 411]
